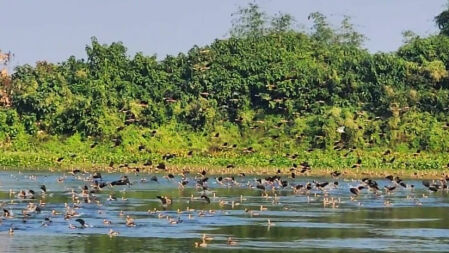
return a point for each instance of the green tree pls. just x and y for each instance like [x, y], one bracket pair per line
[348, 35]
[321, 29]
[282, 23]
[442, 21]
[248, 22]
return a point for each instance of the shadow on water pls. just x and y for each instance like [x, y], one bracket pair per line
[401, 222]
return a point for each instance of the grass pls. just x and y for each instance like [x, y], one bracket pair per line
[428, 165]
[138, 146]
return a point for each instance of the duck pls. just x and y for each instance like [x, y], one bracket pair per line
[130, 222]
[113, 233]
[164, 200]
[231, 242]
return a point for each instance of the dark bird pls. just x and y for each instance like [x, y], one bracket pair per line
[76, 171]
[169, 156]
[206, 198]
[100, 185]
[308, 186]
[371, 183]
[161, 166]
[390, 188]
[96, 175]
[321, 185]
[60, 159]
[122, 181]
[299, 186]
[43, 188]
[260, 187]
[335, 174]
[82, 223]
[164, 200]
[433, 188]
[357, 164]
[154, 179]
[284, 183]
[417, 152]
[356, 190]
[389, 177]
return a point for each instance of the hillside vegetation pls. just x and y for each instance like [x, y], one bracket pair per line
[268, 95]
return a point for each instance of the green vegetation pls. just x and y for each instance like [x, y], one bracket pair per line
[269, 89]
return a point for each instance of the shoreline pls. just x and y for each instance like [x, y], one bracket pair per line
[346, 173]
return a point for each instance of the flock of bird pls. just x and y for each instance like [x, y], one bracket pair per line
[93, 187]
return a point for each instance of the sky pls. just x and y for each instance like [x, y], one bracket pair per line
[53, 30]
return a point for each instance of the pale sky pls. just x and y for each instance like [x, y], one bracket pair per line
[53, 30]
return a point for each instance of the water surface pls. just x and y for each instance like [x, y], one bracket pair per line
[406, 220]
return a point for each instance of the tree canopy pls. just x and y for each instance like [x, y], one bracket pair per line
[267, 71]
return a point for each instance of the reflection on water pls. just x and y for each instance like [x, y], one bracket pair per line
[403, 221]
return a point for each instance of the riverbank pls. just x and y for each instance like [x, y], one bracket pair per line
[371, 164]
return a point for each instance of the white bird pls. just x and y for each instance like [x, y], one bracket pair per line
[341, 129]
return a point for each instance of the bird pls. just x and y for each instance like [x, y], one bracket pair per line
[260, 187]
[130, 222]
[357, 164]
[124, 180]
[390, 189]
[335, 173]
[96, 175]
[113, 233]
[206, 198]
[7, 213]
[341, 129]
[161, 166]
[356, 190]
[164, 200]
[231, 242]
[201, 244]
[82, 223]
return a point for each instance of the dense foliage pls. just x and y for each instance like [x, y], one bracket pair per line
[268, 86]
